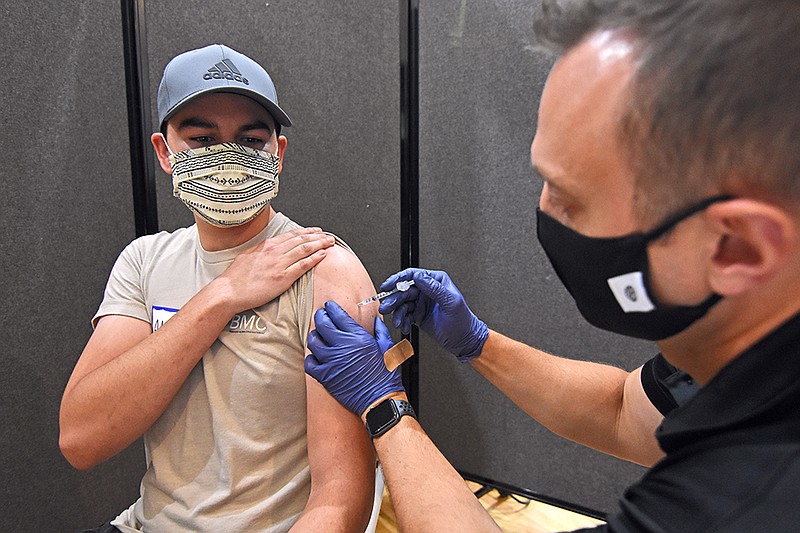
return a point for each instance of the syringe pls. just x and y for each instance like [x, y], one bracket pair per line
[402, 286]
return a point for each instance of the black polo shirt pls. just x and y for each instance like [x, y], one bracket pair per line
[733, 451]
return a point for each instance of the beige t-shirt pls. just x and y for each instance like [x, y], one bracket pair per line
[229, 453]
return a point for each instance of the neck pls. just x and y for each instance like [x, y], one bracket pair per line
[214, 238]
[729, 329]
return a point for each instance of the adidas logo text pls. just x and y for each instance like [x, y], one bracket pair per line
[225, 69]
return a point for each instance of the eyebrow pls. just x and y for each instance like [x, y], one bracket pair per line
[545, 177]
[197, 122]
[553, 185]
[538, 171]
[257, 125]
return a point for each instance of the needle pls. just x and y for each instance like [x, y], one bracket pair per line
[401, 286]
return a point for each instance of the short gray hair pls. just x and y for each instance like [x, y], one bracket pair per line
[715, 98]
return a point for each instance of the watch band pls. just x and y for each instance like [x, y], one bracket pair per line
[386, 415]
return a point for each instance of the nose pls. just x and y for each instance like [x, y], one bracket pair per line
[544, 198]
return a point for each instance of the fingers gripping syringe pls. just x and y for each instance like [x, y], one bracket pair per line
[402, 286]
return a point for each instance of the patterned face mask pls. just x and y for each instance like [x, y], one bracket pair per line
[226, 184]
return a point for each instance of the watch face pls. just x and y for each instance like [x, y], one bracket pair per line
[381, 416]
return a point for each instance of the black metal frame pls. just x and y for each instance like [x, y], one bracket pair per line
[137, 88]
[409, 168]
[505, 490]
[409, 226]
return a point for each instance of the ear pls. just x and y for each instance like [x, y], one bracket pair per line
[755, 241]
[160, 146]
[281, 147]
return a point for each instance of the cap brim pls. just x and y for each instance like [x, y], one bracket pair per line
[278, 114]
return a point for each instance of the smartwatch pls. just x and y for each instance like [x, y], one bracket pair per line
[386, 415]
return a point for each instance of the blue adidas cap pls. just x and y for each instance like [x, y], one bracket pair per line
[215, 69]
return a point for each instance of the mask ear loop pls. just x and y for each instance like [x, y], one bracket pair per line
[672, 221]
[172, 166]
[166, 144]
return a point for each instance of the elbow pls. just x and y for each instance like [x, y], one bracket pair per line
[360, 508]
[75, 439]
[364, 505]
[346, 508]
[75, 455]
[75, 450]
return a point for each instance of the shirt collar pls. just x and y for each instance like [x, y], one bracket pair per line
[762, 380]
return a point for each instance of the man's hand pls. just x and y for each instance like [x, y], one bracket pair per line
[435, 305]
[265, 271]
[348, 361]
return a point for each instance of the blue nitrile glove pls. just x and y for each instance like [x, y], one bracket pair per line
[348, 361]
[435, 305]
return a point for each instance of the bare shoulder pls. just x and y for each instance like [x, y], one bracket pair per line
[339, 260]
[342, 278]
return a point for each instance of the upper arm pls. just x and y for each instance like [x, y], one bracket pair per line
[637, 423]
[121, 321]
[112, 336]
[341, 277]
[338, 445]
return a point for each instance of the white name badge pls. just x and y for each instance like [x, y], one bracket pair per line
[161, 315]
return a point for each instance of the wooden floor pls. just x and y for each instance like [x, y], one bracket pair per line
[511, 515]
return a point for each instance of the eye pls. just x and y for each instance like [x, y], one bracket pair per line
[253, 142]
[201, 140]
[556, 204]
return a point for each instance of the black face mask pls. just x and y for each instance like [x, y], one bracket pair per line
[609, 278]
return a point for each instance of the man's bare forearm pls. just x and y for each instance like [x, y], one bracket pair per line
[586, 402]
[105, 409]
[427, 492]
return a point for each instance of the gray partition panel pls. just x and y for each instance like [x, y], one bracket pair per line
[335, 67]
[479, 89]
[65, 165]
[66, 215]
